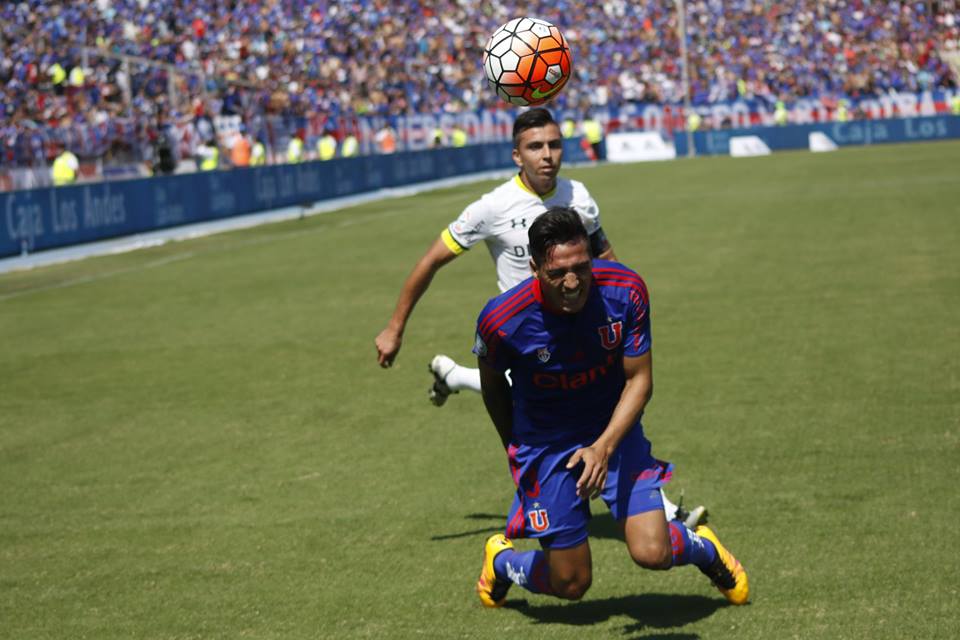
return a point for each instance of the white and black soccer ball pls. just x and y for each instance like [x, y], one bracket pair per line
[527, 61]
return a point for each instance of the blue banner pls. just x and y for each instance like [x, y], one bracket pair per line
[858, 132]
[52, 217]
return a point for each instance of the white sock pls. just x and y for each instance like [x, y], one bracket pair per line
[463, 378]
[669, 509]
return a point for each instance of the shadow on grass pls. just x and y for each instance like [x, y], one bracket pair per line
[497, 521]
[649, 611]
[601, 526]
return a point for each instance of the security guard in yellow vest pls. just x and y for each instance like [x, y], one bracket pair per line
[57, 75]
[326, 146]
[295, 149]
[65, 167]
[955, 104]
[350, 146]
[458, 137]
[780, 113]
[209, 155]
[593, 132]
[843, 113]
[258, 154]
[694, 121]
[568, 127]
[77, 78]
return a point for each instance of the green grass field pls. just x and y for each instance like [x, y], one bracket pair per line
[196, 442]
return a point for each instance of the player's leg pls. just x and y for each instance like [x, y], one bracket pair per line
[565, 573]
[450, 377]
[648, 539]
[654, 543]
[571, 571]
[634, 481]
[546, 507]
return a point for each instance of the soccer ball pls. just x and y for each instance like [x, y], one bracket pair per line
[527, 61]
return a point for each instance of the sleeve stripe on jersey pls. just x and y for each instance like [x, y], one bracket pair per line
[639, 285]
[503, 313]
[624, 278]
[608, 272]
[612, 270]
[506, 310]
[451, 242]
[636, 294]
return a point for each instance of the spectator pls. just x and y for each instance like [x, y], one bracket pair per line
[297, 60]
[65, 168]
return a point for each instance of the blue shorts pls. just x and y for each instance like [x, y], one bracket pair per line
[546, 505]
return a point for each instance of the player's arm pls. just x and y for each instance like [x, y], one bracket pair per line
[600, 247]
[389, 340]
[498, 399]
[633, 399]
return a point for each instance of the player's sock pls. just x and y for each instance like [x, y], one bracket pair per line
[669, 508]
[689, 548]
[463, 378]
[526, 568]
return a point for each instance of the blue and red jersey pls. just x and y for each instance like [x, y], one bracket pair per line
[566, 369]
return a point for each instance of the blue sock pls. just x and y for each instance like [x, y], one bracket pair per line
[689, 548]
[526, 568]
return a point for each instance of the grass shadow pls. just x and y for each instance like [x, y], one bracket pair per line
[650, 611]
[497, 522]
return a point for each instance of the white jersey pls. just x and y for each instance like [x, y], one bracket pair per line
[502, 219]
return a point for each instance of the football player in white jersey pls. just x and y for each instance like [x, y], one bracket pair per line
[502, 218]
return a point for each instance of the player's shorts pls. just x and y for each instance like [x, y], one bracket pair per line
[546, 505]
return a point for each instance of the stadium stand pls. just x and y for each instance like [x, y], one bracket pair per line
[122, 81]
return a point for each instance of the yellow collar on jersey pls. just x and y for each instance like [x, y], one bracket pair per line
[546, 196]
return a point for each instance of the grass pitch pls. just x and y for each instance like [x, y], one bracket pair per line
[195, 440]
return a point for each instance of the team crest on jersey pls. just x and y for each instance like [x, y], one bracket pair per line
[543, 354]
[611, 335]
[539, 520]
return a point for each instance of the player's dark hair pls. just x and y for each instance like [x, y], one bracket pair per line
[559, 225]
[532, 119]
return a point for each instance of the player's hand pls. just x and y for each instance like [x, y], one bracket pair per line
[594, 475]
[388, 346]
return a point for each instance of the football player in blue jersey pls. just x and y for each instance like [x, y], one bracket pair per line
[576, 340]
[501, 219]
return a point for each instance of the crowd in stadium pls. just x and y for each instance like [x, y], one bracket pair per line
[63, 66]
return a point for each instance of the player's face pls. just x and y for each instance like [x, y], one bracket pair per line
[538, 154]
[565, 277]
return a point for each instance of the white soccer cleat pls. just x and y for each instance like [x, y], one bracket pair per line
[440, 367]
[696, 517]
[691, 519]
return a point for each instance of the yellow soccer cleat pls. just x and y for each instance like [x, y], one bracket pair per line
[727, 574]
[493, 592]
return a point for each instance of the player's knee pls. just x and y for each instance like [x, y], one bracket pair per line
[571, 583]
[572, 589]
[651, 554]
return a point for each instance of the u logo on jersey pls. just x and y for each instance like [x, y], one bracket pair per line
[539, 521]
[611, 335]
